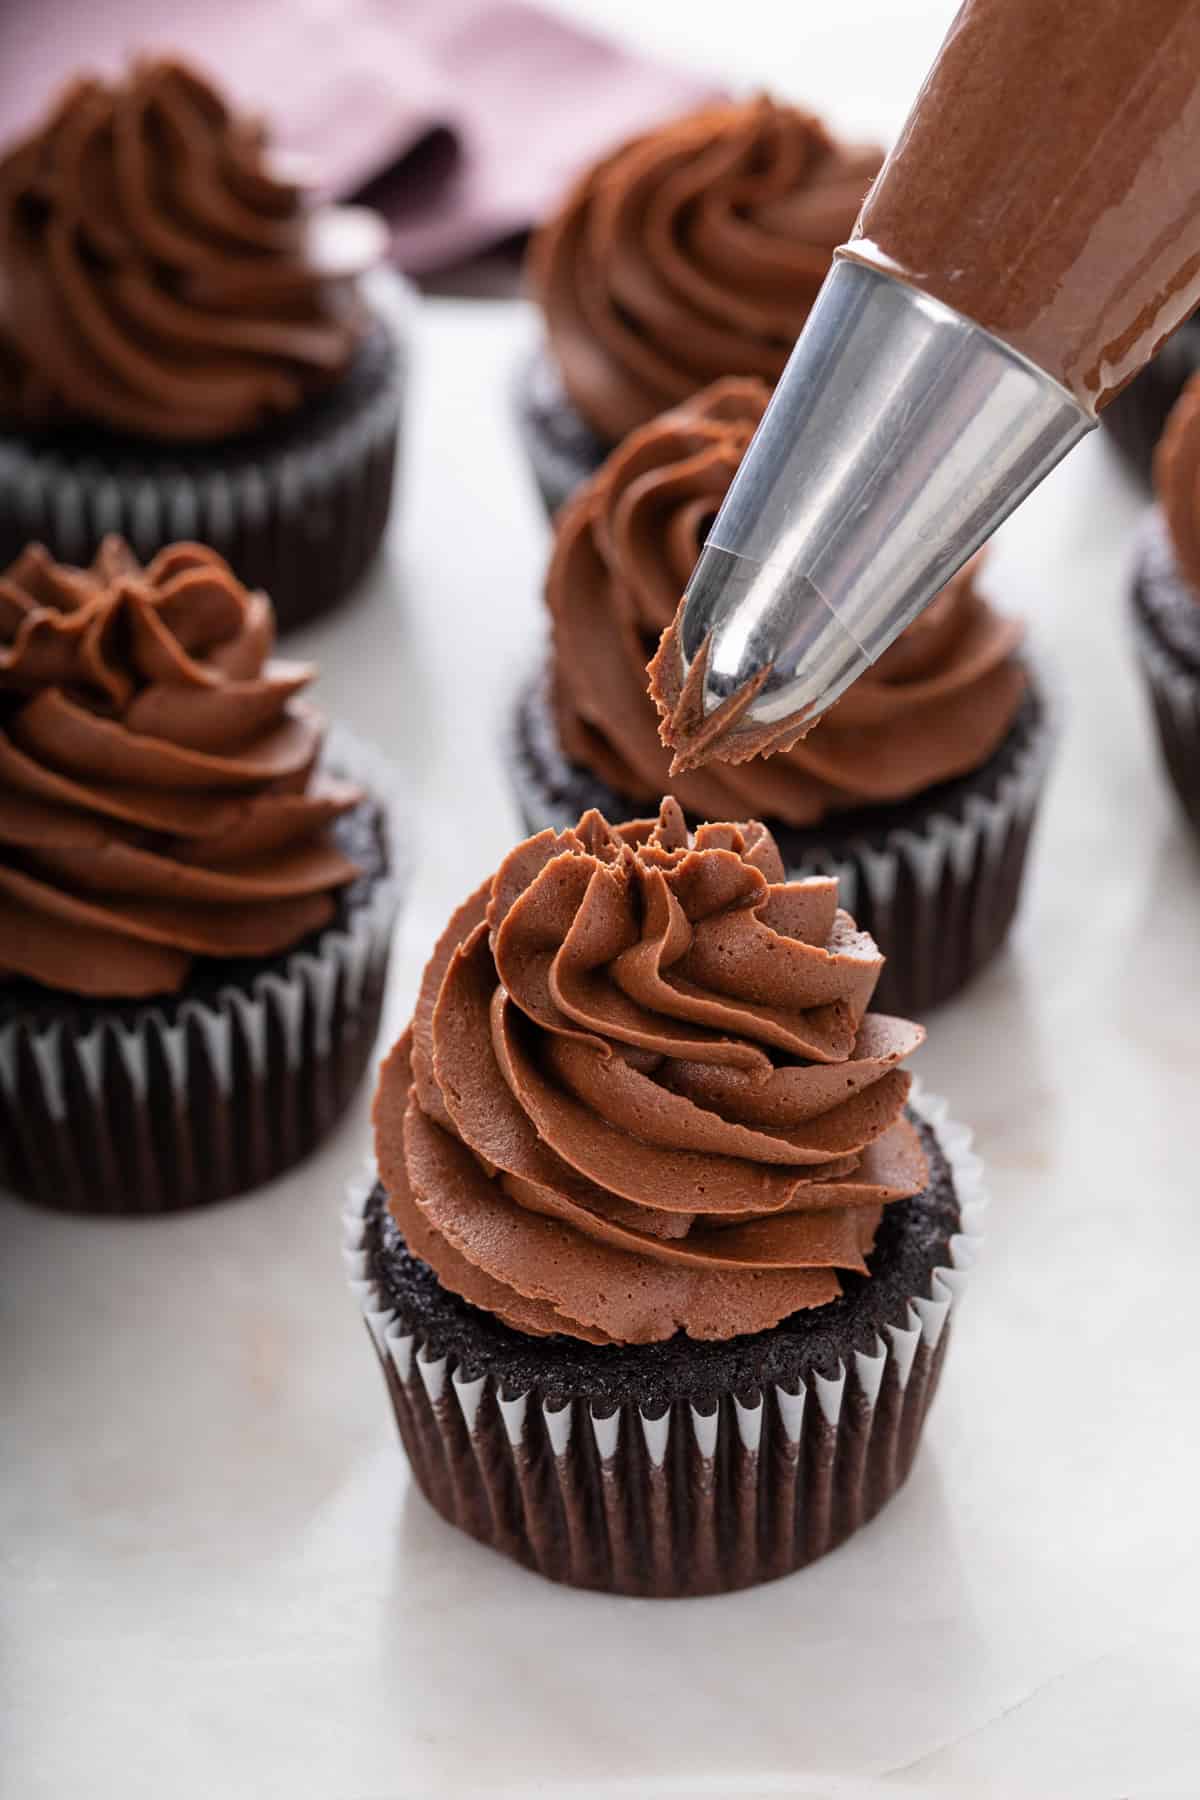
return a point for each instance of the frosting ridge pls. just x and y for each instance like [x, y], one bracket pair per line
[159, 792]
[693, 252]
[162, 276]
[642, 1091]
[935, 706]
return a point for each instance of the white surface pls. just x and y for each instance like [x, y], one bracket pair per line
[218, 1579]
[856, 62]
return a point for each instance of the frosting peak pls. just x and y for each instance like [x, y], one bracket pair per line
[642, 1091]
[935, 706]
[158, 799]
[692, 252]
[162, 276]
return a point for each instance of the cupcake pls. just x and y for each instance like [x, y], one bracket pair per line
[196, 888]
[692, 252]
[1166, 601]
[185, 347]
[918, 789]
[660, 1255]
[1135, 419]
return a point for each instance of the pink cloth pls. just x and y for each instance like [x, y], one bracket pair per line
[465, 119]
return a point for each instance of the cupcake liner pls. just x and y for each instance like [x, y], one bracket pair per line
[562, 448]
[298, 509]
[1174, 691]
[939, 894]
[937, 889]
[688, 1499]
[156, 1108]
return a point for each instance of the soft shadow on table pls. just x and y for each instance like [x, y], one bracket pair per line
[1161, 940]
[373, 693]
[1000, 1085]
[1141, 916]
[726, 1672]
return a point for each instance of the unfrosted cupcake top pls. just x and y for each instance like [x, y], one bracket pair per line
[159, 274]
[1177, 480]
[692, 252]
[159, 793]
[935, 706]
[642, 1092]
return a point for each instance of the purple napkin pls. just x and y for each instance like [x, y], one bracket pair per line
[463, 120]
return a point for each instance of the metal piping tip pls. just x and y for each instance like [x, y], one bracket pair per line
[899, 437]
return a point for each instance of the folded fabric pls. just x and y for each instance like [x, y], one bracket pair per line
[461, 119]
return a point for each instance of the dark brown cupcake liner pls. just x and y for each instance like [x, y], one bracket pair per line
[937, 888]
[684, 1499]
[939, 895]
[298, 510]
[1172, 685]
[152, 1110]
[562, 448]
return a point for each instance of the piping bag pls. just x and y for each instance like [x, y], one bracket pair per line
[1029, 244]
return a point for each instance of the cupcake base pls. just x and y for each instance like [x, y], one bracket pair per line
[1135, 419]
[935, 880]
[110, 1106]
[562, 448]
[1166, 623]
[298, 509]
[678, 1468]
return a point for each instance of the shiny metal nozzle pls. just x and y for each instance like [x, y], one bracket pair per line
[899, 437]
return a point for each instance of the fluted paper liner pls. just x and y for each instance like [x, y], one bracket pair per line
[160, 1113]
[562, 448]
[298, 510]
[685, 1501]
[938, 900]
[1174, 692]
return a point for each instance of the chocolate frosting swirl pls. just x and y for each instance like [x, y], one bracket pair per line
[158, 800]
[642, 1092]
[159, 276]
[692, 252]
[1177, 480]
[934, 706]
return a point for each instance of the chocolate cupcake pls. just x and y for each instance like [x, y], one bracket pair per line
[196, 888]
[660, 1256]
[1136, 418]
[1166, 601]
[185, 348]
[918, 789]
[692, 252]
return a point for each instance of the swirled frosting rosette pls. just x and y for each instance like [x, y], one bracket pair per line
[1177, 482]
[643, 1093]
[159, 793]
[163, 276]
[934, 706]
[693, 252]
